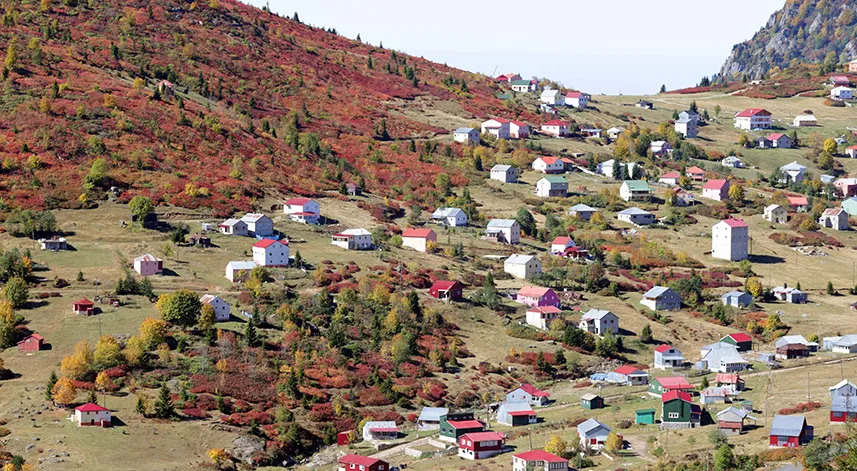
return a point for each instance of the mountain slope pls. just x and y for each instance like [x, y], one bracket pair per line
[261, 105]
[808, 31]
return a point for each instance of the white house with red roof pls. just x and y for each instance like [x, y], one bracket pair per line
[303, 210]
[577, 99]
[380, 431]
[352, 239]
[222, 310]
[559, 244]
[628, 375]
[541, 317]
[418, 239]
[497, 127]
[351, 462]
[556, 128]
[730, 240]
[834, 218]
[148, 264]
[779, 140]
[481, 445]
[669, 178]
[271, 253]
[667, 356]
[519, 130]
[549, 165]
[717, 190]
[529, 394]
[516, 414]
[537, 296]
[753, 118]
[840, 80]
[538, 460]
[91, 414]
[695, 173]
[798, 203]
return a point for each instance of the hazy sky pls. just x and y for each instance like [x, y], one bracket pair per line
[619, 46]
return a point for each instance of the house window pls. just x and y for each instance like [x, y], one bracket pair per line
[673, 415]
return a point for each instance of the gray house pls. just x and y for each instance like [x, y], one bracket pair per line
[732, 420]
[582, 211]
[599, 321]
[844, 388]
[661, 298]
[429, 418]
[736, 298]
[258, 224]
[504, 173]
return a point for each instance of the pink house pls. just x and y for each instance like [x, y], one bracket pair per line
[148, 265]
[717, 190]
[847, 187]
[533, 296]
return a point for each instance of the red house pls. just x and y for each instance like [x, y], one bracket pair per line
[351, 462]
[33, 343]
[533, 296]
[84, 306]
[790, 431]
[695, 173]
[446, 290]
[480, 445]
[344, 438]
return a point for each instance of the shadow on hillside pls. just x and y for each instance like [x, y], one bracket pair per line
[766, 259]
[168, 272]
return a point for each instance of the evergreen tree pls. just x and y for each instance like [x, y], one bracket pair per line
[646, 334]
[526, 221]
[49, 387]
[830, 290]
[559, 357]
[663, 88]
[141, 406]
[489, 292]
[251, 338]
[164, 408]
[296, 18]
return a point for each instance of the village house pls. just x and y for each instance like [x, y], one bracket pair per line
[729, 380]
[271, 253]
[779, 140]
[834, 218]
[469, 136]
[842, 93]
[446, 290]
[452, 217]
[429, 418]
[519, 130]
[258, 225]
[237, 270]
[791, 351]
[841, 344]
[730, 240]
[592, 434]
[610, 169]
[789, 294]
[792, 173]
[582, 211]
[522, 266]
[635, 190]
[541, 317]
[664, 384]
[721, 357]
[667, 357]
[732, 162]
[715, 395]
[717, 190]
[802, 120]
[660, 148]
[515, 414]
[548, 165]
[843, 388]
[737, 299]
[504, 173]
[796, 340]
[31, 343]
[556, 128]
[481, 445]
[552, 97]
[165, 88]
[599, 321]
[644, 416]
[852, 66]
[682, 197]
[352, 239]
[83, 307]
[686, 127]
[843, 409]
[560, 244]
[614, 132]
[222, 309]
[733, 421]
[234, 227]
[851, 152]
[798, 203]
[54, 244]
[695, 173]
[840, 80]
[790, 431]
[847, 186]
[628, 375]
[591, 401]
[497, 127]
[538, 460]
[679, 411]
[455, 424]
[522, 86]
[552, 186]
[418, 239]
[776, 214]
[148, 264]
[533, 296]
[669, 178]
[302, 210]
[753, 118]
[504, 231]
[548, 109]
[661, 298]
[826, 179]
[593, 133]
[380, 431]
[351, 462]
[91, 414]
[200, 240]
[576, 99]
[529, 394]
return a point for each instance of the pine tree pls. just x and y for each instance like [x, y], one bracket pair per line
[250, 336]
[559, 357]
[52, 380]
[92, 397]
[646, 334]
[141, 406]
[358, 38]
[296, 18]
[663, 89]
[830, 290]
[164, 404]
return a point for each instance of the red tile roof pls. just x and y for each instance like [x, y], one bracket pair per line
[797, 200]
[749, 112]
[533, 291]
[663, 348]
[674, 382]
[695, 170]
[561, 240]
[366, 461]
[530, 389]
[545, 309]
[573, 94]
[671, 175]
[714, 184]
[728, 378]
[465, 424]
[775, 136]
[540, 455]
[734, 222]
[555, 122]
[626, 370]
[673, 395]
[517, 413]
[484, 436]
[298, 201]
[418, 233]
[85, 302]
[549, 160]
[265, 243]
[740, 337]
[383, 429]
[444, 285]
[91, 407]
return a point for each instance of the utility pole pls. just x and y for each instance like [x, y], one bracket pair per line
[808, 389]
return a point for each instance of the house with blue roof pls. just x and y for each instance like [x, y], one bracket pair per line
[736, 298]
[661, 298]
[466, 136]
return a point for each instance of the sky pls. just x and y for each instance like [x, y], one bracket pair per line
[628, 47]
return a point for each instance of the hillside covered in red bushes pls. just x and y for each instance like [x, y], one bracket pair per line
[210, 104]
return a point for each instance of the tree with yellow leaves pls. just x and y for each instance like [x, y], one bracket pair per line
[218, 456]
[207, 317]
[556, 446]
[736, 193]
[153, 332]
[78, 364]
[107, 352]
[754, 287]
[103, 382]
[164, 353]
[63, 392]
[135, 351]
[614, 442]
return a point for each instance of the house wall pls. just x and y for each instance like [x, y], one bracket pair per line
[416, 243]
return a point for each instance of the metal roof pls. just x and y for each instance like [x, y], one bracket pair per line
[502, 223]
[788, 425]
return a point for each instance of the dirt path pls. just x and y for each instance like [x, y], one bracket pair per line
[400, 448]
[640, 447]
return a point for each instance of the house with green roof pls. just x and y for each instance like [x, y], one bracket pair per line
[850, 206]
[522, 86]
[644, 416]
[552, 186]
[635, 190]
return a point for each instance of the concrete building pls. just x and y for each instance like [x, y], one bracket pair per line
[730, 240]
[522, 266]
[504, 173]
